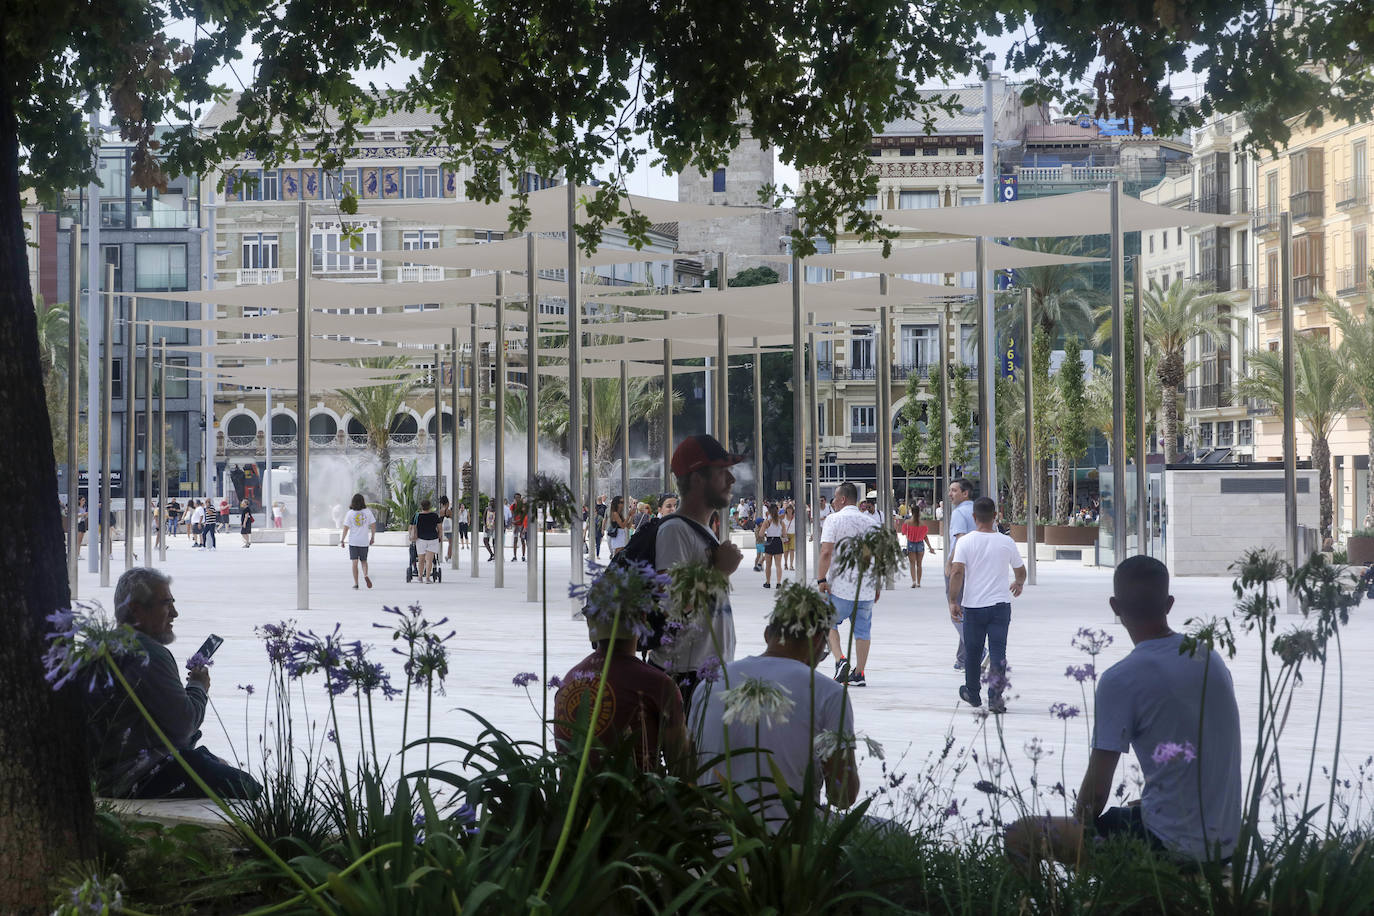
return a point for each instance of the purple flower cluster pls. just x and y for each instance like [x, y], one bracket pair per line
[246, 688]
[198, 660]
[310, 652]
[466, 819]
[555, 682]
[366, 676]
[1169, 751]
[710, 670]
[277, 639]
[1081, 673]
[987, 787]
[630, 589]
[524, 679]
[425, 653]
[1064, 711]
[81, 640]
[1091, 641]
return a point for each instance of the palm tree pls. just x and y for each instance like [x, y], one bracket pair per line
[54, 356]
[1063, 298]
[1357, 353]
[1174, 316]
[375, 407]
[1324, 392]
[1100, 414]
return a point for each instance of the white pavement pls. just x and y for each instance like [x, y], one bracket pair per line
[909, 705]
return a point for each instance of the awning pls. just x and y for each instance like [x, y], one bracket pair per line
[1081, 213]
[947, 257]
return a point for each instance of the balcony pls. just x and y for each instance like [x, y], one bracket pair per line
[419, 273]
[1352, 193]
[1267, 219]
[1306, 289]
[1209, 397]
[259, 276]
[903, 371]
[1236, 202]
[825, 370]
[1224, 279]
[1352, 281]
[861, 436]
[1307, 205]
[1266, 301]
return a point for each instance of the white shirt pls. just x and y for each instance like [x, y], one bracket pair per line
[825, 513]
[774, 530]
[1155, 695]
[358, 522]
[845, 523]
[988, 557]
[198, 516]
[787, 743]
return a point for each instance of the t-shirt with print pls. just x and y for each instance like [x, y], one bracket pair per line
[788, 742]
[1156, 696]
[848, 522]
[426, 526]
[677, 541]
[639, 704]
[357, 521]
[987, 556]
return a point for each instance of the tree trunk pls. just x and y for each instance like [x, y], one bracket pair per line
[1171, 373]
[1321, 457]
[46, 811]
[1063, 503]
[1018, 482]
[1368, 523]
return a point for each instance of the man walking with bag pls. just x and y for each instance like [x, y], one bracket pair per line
[980, 599]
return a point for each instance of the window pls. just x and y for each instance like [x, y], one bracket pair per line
[1271, 190]
[918, 200]
[1307, 255]
[113, 257]
[1225, 433]
[414, 183]
[1152, 242]
[1204, 435]
[1359, 260]
[331, 253]
[261, 250]
[1305, 171]
[908, 151]
[861, 349]
[431, 182]
[178, 386]
[968, 345]
[1180, 234]
[1165, 236]
[419, 239]
[930, 151]
[966, 200]
[918, 345]
[158, 311]
[871, 203]
[718, 181]
[1245, 432]
[271, 185]
[160, 267]
[821, 428]
[863, 419]
[116, 388]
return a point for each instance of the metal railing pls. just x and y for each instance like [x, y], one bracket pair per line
[1267, 219]
[1225, 279]
[1351, 281]
[1235, 202]
[357, 438]
[241, 441]
[259, 276]
[284, 441]
[862, 436]
[1266, 300]
[324, 440]
[1307, 205]
[1305, 289]
[419, 273]
[1352, 193]
[1209, 396]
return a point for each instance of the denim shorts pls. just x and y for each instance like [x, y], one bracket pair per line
[862, 612]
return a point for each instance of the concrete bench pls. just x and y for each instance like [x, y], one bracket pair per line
[170, 812]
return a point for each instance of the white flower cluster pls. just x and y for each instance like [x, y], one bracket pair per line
[756, 700]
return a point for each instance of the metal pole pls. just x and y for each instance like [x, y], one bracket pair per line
[758, 424]
[475, 447]
[814, 437]
[575, 394]
[148, 514]
[207, 380]
[302, 408]
[625, 436]
[105, 373]
[498, 393]
[593, 485]
[439, 432]
[267, 470]
[74, 410]
[531, 412]
[128, 472]
[96, 381]
[454, 466]
[1142, 470]
[1290, 432]
[668, 482]
[987, 376]
[162, 447]
[884, 463]
[1028, 383]
[799, 415]
[1118, 381]
[943, 364]
[723, 366]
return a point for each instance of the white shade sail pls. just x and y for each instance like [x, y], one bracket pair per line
[1081, 213]
[648, 350]
[692, 327]
[949, 257]
[285, 348]
[840, 300]
[612, 370]
[512, 254]
[282, 376]
[332, 294]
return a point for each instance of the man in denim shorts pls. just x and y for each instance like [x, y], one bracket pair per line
[849, 602]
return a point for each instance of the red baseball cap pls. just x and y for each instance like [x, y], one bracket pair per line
[697, 452]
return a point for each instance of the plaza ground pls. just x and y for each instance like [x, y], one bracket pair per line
[909, 705]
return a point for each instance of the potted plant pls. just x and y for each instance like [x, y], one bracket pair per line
[1359, 547]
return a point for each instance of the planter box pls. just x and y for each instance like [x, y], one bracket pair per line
[1018, 533]
[1067, 535]
[1359, 551]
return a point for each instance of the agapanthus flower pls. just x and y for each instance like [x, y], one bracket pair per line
[1169, 751]
[466, 818]
[1091, 641]
[987, 787]
[631, 589]
[555, 682]
[277, 640]
[952, 810]
[1035, 750]
[875, 554]
[524, 679]
[997, 680]
[800, 611]
[198, 660]
[310, 653]
[80, 641]
[246, 688]
[694, 590]
[96, 895]
[1064, 710]
[873, 747]
[1081, 673]
[367, 676]
[756, 700]
[710, 670]
[828, 743]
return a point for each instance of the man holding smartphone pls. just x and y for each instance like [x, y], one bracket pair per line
[130, 760]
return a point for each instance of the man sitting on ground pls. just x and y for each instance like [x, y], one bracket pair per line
[640, 707]
[789, 662]
[1156, 701]
[130, 760]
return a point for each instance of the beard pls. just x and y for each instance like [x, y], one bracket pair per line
[166, 637]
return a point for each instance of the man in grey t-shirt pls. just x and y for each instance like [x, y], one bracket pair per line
[960, 523]
[1177, 712]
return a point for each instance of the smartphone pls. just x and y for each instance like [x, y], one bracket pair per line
[210, 646]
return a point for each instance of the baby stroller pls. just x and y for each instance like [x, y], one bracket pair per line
[413, 570]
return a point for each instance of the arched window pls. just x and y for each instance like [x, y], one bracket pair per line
[403, 428]
[323, 429]
[241, 429]
[447, 426]
[283, 429]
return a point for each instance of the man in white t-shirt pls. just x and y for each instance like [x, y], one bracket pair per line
[960, 524]
[359, 531]
[1177, 712]
[846, 596]
[786, 743]
[980, 596]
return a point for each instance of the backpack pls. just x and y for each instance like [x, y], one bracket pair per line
[643, 548]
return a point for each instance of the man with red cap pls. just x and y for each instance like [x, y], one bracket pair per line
[702, 469]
